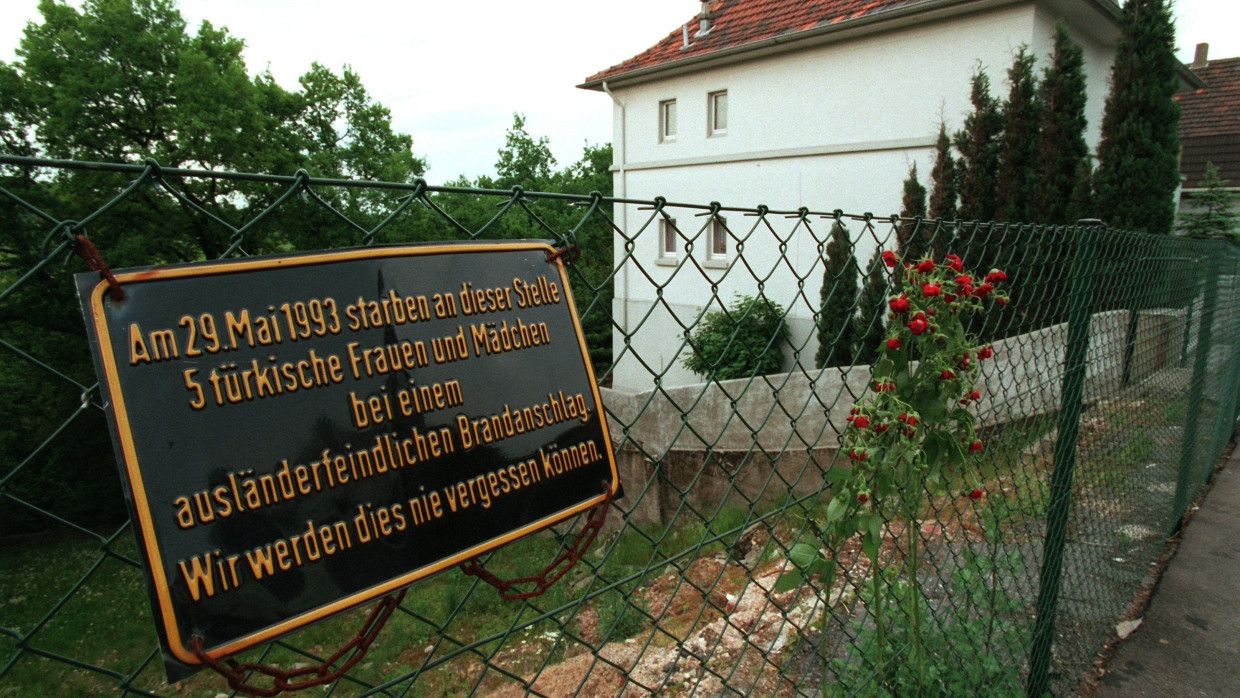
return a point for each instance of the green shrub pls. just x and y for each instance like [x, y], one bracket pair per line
[743, 340]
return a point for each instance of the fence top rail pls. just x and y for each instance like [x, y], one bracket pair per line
[419, 186]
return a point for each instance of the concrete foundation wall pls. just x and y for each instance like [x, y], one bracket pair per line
[736, 441]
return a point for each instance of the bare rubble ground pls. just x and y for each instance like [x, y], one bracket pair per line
[721, 629]
[741, 637]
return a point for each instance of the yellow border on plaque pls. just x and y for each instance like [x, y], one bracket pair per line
[134, 474]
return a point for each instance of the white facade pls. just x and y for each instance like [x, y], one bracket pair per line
[834, 124]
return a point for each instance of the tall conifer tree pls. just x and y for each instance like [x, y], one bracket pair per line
[1212, 211]
[942, 205]
[837, 321]
[1017, 143]
[911, 235]
[1081, 204]
[1138, 158]
[1061, 136]
[978, 143]
[873, 307]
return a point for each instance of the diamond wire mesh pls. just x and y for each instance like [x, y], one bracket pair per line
[723, 472]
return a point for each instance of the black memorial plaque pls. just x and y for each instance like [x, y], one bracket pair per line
[301, 434]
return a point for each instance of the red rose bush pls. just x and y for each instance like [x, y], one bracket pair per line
[913, 427]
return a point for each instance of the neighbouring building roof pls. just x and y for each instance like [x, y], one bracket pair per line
[1210, 122]
[745, 26]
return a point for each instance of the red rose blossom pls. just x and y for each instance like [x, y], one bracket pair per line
[929, 289]
[975, 395]
[894, 343]
[917, 326]
[964, 280]
[899, 304]
[949, 297]
[889, 258]
[954, 262]
[925, 266]
[880, 427]
[975, 446]
[976, 494]
[862, 497]
[982, 290]
[947, 374]
[1001, 300]
[880, 386]
[861, 421]
[985, 352]
[856, 454]
[995, 276]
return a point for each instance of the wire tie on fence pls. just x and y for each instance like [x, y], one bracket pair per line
[235, 672]
[570, 253]
[94, 261]
[560, 566]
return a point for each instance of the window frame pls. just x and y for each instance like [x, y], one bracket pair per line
[667, 120]
[668, 229]
[717, 231]
[713, 129]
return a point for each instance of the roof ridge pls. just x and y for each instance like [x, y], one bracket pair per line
[735, 24]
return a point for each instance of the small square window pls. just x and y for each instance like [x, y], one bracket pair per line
[717, 240]
[669, 241]
[717, 107]
[667, 120]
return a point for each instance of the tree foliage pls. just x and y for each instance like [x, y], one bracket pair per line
[1061, 147]
[912, 234]
[1017, 142]
[875, 289]
[1211, 209]
[837, 313]
[745, 339]
[942, 204]
[1138, 157]
[125, 80]
[978, 145]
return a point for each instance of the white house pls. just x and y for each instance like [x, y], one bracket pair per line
[822, 104]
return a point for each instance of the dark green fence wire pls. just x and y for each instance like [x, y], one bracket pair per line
[1110, 398]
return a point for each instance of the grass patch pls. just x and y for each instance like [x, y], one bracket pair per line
[72, 599]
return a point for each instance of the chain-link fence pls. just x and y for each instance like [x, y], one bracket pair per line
[1110, 395]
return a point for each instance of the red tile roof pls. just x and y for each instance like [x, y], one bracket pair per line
[1210, 122]
[735, 23]
[1212, 110]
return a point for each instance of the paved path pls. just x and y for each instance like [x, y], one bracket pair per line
[1189, 641]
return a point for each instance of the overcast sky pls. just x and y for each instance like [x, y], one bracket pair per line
[452, 74]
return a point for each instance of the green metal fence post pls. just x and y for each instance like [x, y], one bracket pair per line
[1075, 354]
[1184, 481]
